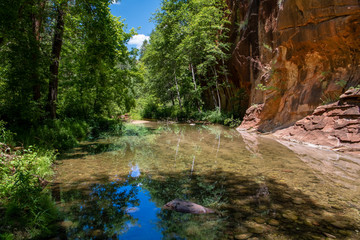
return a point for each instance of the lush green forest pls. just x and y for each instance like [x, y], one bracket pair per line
[67, 75]
[63, 59]
[184, 59]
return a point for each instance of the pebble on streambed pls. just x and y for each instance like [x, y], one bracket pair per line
[243, 236]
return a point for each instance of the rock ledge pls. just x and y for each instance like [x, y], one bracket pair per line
[335, 125]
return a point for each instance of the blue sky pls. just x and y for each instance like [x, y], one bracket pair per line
[137, 13]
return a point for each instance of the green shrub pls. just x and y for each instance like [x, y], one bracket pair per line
[157, 111]
[29, 212]
[214, 117]
[232, 122]
[150, 111]
[54, 134]
[102, 127]
[6, 136]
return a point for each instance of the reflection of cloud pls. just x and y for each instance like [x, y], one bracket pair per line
[135, 171]
[138, 40]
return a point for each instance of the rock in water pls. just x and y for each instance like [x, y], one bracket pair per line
[187, 207]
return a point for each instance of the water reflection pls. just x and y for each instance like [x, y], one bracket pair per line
[100, 212]
[258, 187]
[135, 171]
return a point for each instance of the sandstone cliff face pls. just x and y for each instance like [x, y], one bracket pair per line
[292, 55]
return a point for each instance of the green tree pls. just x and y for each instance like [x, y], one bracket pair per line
[97, 66]
[62, 57]
[186, 53]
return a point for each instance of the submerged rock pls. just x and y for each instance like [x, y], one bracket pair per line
[274, 222]
[66, 224]
[290, 215]
[132, 210]
[243, 236]
[186, 207]
[255, 227]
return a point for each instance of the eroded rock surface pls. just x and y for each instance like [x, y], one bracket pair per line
[336, 125]
[252, 117]
[302, 52]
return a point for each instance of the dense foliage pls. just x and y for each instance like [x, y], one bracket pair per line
[185, 58]
[27, 211]
[62, 59]
[65, 74]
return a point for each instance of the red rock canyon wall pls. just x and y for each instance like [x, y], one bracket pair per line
[291, 56]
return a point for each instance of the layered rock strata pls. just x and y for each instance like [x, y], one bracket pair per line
[335, 125]
[291, 56]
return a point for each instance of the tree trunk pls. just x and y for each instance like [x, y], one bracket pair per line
[54, 67]
[177, 90]
[214, 99]
[195, 87]
[218, 94]
[227, 85]
[193, 76]
[36, 19]
[217, 89]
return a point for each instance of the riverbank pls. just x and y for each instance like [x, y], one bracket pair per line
[333, 126]
[27, 207]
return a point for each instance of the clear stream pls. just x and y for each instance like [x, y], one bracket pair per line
[114, 188]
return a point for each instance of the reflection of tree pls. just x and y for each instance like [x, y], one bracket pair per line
[189, 187]
[248, 200]
[266, 208]
[102, 213]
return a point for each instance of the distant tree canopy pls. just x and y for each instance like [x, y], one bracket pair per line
[186, 52]
[62, 58]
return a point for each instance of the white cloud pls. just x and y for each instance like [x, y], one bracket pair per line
[138, 40]
[115, 2]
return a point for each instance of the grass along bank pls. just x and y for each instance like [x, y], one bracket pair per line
[153, 110]
[26, 208]
[27, 156]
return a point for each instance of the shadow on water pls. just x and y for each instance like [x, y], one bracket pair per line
[98, 212]
[246, 208]
[253, 184]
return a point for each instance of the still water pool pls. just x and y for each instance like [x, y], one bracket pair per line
[114, 188]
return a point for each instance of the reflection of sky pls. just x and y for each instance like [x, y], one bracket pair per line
[146, 215]
[135, 171]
